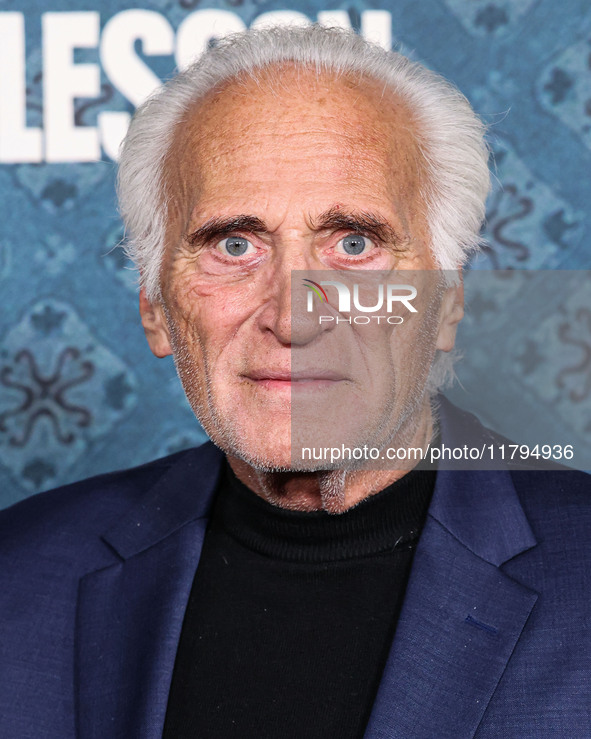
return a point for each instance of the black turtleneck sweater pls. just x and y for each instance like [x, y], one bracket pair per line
[291, 615]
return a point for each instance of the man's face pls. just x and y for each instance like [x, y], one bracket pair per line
[274, 178]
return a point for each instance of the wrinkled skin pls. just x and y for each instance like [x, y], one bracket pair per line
[302, 155]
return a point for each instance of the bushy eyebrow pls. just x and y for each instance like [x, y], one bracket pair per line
[334, 219]
[217, 228]
[337, 219]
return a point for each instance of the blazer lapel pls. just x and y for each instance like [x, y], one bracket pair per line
[130, 614]
[462, 616]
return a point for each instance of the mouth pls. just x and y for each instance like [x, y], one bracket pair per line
[311, 379]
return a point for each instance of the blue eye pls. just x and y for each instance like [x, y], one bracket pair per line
[353, 244]
[235, 246]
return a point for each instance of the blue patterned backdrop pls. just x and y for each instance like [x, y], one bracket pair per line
[80, 393]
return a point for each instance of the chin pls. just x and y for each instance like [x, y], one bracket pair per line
[262, 460]
[269, 452]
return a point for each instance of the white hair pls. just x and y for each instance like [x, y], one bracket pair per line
[449, 135]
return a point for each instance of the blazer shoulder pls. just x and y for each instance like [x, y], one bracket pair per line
[552, 494]
[59, 521]
[557, 504]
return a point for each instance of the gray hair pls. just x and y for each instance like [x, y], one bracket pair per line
[449, 134]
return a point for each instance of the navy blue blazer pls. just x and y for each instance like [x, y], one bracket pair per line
[494, 638]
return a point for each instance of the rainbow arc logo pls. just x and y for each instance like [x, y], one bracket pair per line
[317, 289]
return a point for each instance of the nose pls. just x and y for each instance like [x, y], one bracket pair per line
[288, 313]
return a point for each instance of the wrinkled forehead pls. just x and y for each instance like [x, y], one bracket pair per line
[354, 124]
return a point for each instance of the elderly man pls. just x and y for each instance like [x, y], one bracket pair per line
[242, 589]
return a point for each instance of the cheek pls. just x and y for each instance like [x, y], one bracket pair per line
[208, 318]
[410, 347]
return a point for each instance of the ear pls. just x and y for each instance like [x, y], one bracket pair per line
[452, 312]
[155, 326]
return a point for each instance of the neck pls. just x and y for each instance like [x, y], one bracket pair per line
[331, 490]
